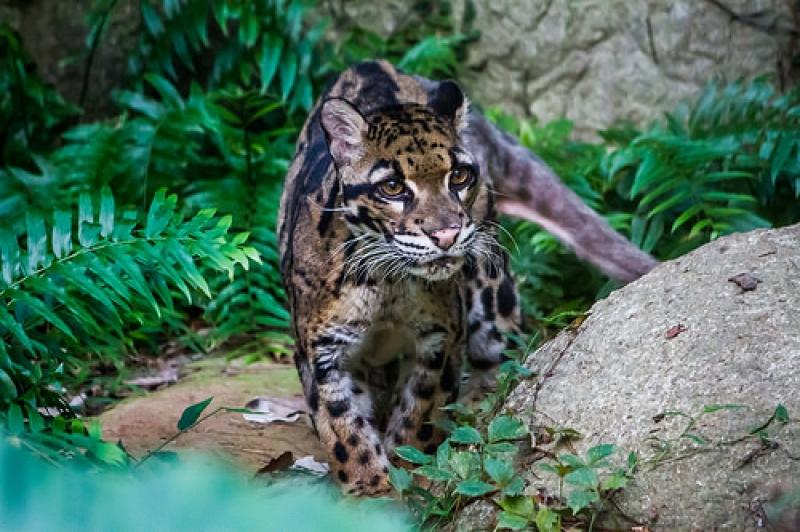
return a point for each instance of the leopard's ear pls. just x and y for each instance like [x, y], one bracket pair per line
[346, 128]
[449, 101]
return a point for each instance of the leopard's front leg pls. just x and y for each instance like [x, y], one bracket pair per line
[342, 414]
[432, 383]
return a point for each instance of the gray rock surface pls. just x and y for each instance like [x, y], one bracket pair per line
[612, 376]
[54, 33]
[595, 62]
[592, 61]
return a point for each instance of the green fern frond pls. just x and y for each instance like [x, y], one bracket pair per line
[77, 282]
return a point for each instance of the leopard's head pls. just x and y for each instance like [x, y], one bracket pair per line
[411, 192]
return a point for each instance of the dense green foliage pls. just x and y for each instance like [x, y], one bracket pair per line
[727, 162]
[214, 97]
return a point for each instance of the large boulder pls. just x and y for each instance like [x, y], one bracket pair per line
[682, 338]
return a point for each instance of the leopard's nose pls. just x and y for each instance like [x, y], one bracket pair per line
[445, 237]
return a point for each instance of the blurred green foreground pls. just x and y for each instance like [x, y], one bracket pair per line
[194, 494]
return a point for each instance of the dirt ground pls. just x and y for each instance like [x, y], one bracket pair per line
[142, 423]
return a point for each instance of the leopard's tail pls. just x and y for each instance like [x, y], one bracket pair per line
[527, 188]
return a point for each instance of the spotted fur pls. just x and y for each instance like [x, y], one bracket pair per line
[390, 261]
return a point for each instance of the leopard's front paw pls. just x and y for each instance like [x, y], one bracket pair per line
[366, 481]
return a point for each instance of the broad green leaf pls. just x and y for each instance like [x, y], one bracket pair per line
[547, 520]
[466, 435]
[506, 428]
[464, 463]
[192, 413]
[781, 414]
[518, 505]
[511, 521]
[615, 481]
[400, 478]
[434, 473]
[584, 477]
[443, 454]
[580, 499]
[598, 452]
[501, 471]
[474, 487]
[413, 455]
[515, 486]
[501, 447]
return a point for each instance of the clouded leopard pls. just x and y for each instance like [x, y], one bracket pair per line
[389, 258]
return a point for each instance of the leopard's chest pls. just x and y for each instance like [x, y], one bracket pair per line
[403, 311]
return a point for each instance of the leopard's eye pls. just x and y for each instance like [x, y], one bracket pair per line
[460, 177]
[392, 188]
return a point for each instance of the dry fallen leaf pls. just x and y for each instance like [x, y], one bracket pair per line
[167, 375]
[271, 409]
[746, 281]
[675, 330]
[309, 464]
[281, 463]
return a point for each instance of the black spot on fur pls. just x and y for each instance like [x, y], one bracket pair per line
[353, 440]
[506, 299]
[424, 390]
[491, 269]
[350, 192]
[340, 452]
[447, 99]
[363, 459]
[448, 379]
[436, 361]
[359, 422]
[487, 299]
[482, 363]
[337, 408]
[342, 476]
[374, 481]
[378, 88]
[425, 432]
[313, 397]
[469, 269]
[378, 449]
